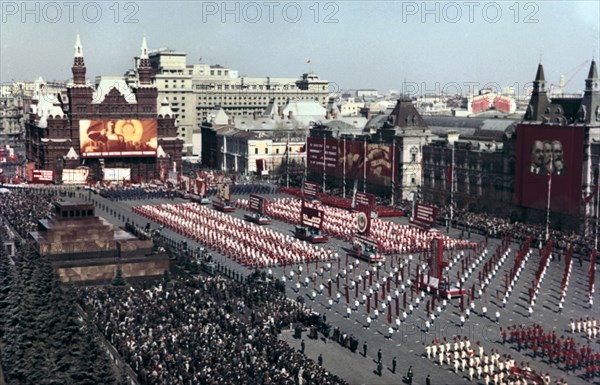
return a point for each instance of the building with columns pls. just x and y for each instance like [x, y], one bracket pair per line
[195, 90]
[112, 125]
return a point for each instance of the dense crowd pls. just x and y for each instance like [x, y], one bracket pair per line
[21, 208]
[122, 193]
[206, 330]
[499, 227]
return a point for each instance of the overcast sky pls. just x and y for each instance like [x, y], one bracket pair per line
[428, 45]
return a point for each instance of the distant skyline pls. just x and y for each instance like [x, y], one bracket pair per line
[432, 46]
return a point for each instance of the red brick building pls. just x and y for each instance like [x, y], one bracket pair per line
[117, 124]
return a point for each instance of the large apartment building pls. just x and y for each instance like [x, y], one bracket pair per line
[195, 90]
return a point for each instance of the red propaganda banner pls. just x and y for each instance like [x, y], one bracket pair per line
[544, 152]
[437, 262]
[351, 157]
[363, 220]
[365, 199]
[310, 189]
[118, 138]
[426, 214]
[223, 191]
[311, 217]
[43, 176]
[322, 150]
[256, 204]
[379, 163]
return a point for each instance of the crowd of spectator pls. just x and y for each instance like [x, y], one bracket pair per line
[205, 330]
[498, 227]
[21, 208]
[123, 193]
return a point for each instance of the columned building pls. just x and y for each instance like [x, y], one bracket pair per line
[194, 91]
[110, 126]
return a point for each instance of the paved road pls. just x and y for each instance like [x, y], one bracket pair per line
[407, 344]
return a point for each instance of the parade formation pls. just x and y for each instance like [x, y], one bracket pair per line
[435, 293]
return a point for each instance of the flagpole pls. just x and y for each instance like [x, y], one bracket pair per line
[324, 161]
[597, 212]
[365, 167]
[549, 195]
[344, 185]
[393, 169]
[287, 157]
[452, 188]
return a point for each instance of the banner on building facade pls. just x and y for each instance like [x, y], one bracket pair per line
[549, 163]
[43, 176]
[352, 159]
[118, 138]
[75, 175]
[117, 174]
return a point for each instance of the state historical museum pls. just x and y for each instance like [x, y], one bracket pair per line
[117, 130]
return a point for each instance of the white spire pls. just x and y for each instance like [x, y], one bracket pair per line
[78, 47]
[144, 54]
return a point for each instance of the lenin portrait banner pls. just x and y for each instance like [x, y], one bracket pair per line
[544, 152]
[115, 138]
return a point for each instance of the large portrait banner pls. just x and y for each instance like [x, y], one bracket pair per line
[118, 138]
[549, 162]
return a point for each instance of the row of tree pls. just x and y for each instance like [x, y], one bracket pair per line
[43, 339]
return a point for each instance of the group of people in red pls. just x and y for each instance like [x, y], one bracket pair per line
[475, 362]
[250, 245]
[560, 350]
[391, 237]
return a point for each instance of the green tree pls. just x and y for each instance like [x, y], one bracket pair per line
[119, 280]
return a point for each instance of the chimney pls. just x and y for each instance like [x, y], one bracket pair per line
[290, 114]
[328, 115]
[334, 114]
[255, 115]
[280, 111]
